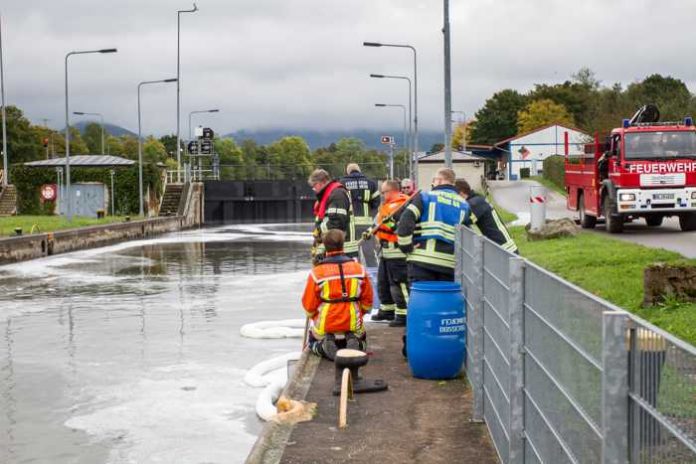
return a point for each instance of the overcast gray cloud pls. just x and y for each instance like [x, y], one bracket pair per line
[301, 64]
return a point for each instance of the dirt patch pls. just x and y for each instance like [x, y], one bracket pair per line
[414, 421]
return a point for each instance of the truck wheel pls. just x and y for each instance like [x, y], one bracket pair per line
[654, 221]
[586, 222]
[687, 221]
[614, 222]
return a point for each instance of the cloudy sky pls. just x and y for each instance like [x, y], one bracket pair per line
[301, 63]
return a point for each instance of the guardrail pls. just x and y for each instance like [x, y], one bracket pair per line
[560, 375]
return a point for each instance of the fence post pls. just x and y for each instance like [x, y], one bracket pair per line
[614, 388]
[516, 305]
[475, 318]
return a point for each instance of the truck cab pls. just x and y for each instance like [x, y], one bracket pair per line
[643, 170]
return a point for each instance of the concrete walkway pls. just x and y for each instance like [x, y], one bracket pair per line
[415, 421]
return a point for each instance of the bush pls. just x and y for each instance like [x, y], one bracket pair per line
[29, 181]
[524, 173]
[554, 170]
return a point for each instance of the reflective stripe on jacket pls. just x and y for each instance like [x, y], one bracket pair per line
[337, 294]
[489, 224]
[333, 210]
[426, 231]
[386, 233]
[364, 197]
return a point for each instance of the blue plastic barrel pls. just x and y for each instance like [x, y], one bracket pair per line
[436, 330]
[372, 274]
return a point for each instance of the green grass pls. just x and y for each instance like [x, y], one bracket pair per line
[548, 184]
[613, 270]
[43, 224]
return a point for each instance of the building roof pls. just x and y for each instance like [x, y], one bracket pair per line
[538, 129]
[93, 161]
[457, 157]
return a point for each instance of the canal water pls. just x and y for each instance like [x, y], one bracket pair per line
[132, 353]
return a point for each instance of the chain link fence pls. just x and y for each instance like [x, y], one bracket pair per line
[562, 376]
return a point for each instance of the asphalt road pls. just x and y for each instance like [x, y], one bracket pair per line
[514, 197]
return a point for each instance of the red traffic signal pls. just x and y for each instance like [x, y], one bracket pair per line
[45, 142]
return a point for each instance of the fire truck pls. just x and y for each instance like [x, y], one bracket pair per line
[643, 169]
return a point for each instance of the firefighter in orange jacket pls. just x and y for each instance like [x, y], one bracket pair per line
[337, 295]
[392, 274]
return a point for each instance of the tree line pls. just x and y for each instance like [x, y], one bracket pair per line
[582, 102]
[286, 158]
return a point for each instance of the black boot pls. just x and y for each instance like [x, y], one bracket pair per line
[399, 321]
[383, 316]
[328, 347]
[353, 342]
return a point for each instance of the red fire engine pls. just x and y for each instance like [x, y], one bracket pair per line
[644, 169]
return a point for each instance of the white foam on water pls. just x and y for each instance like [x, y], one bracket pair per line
[189, 413]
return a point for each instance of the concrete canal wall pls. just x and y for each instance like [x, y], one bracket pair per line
[16, 249]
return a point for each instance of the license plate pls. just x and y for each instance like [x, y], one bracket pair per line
[663, 196]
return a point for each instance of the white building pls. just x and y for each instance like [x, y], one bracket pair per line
[465, 165]
[531, 149]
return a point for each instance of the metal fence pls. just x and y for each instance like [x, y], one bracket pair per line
[562, 376]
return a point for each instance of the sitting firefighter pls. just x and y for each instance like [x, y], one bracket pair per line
[337, 295]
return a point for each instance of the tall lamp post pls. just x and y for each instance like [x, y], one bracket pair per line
[412, 172]
[4, 115]
[67, 125]
[448, 88]
[101, 118]
[403, 108]
[178, 88]
[414, 157]
[140, 140]
[199, 112]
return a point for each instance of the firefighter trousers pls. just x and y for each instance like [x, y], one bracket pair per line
[392, 285]
[418, 273]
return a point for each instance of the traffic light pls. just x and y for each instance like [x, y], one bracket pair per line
[45, 142]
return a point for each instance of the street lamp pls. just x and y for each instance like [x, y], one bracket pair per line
[448, 87]
[414, 170]
[67, 125]
[4, 115]
[140, 140]
[178, 88]
[413, 145]
[387, 105]
[199, 112]
[101, 117]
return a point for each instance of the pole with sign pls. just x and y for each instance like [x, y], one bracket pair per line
[388, 140]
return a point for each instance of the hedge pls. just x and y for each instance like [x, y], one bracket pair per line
[554, 170]
[28, 182]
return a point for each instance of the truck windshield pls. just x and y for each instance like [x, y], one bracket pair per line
[666, 144]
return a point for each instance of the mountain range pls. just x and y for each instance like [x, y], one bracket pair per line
[314, 138]
[112, 129]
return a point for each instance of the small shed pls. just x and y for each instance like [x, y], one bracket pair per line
[88, 198]
[529, 150]
[465, 164]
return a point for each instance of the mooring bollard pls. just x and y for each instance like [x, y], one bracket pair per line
[537, 205]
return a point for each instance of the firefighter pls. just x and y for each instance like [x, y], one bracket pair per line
[485, 217]
[426, 230]
[365, 200]
[408, 187]
[392, 276]
[337, 295]
[332, 210]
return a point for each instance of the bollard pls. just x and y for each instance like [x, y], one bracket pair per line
[537, 204]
